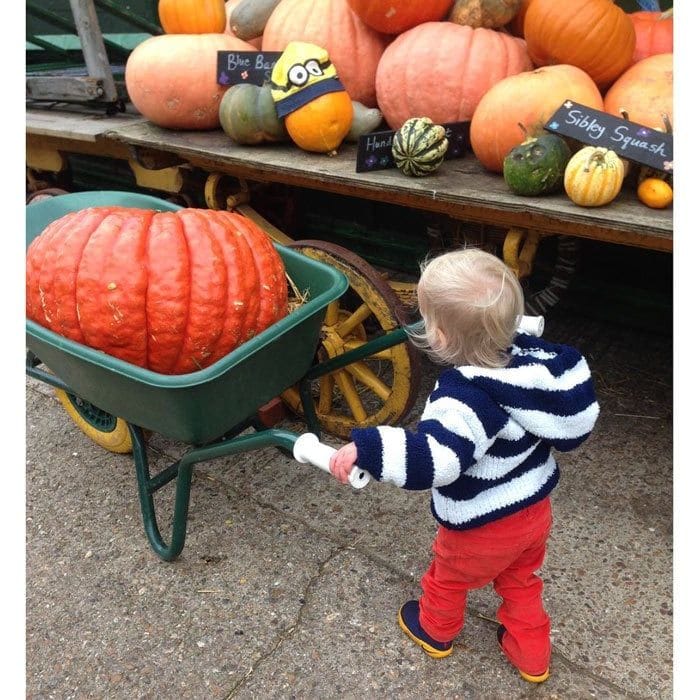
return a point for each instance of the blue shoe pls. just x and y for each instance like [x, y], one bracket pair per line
[540, 678]
[408, 622]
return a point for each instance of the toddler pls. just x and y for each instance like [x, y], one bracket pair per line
[484, 447]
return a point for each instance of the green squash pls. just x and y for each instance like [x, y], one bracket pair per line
[247, 114]
[537, 165]
[419, 146]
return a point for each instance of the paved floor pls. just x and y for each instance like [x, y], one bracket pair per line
[289, 583]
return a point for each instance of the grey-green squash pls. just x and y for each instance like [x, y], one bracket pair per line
[364, 120]
[247, 115]
[537, 165]
[419, 146]
[249, 17]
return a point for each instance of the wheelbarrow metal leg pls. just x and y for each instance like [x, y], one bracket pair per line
[147, 487]
[181, 473]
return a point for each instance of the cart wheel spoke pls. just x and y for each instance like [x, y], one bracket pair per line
[381, 355]
[363, 374]
[361, 314]
[382, 388]
[344, 382]
[332, 311]
[325, 395]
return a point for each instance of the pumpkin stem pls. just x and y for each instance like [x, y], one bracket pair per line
[667, 123]
[668, 14]
[625, 114]
[523, 129]
[598, 156]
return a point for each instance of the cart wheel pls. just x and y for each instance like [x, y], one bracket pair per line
[106, 430]
[379, 390]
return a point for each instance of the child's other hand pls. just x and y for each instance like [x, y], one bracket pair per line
[342, 462]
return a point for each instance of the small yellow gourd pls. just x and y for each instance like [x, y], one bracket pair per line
[593, 176]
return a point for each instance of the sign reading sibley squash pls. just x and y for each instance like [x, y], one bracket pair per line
[629, 140]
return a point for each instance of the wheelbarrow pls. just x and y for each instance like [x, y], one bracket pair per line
[211, 409]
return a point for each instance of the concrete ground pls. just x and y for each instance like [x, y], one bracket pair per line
[289, 583]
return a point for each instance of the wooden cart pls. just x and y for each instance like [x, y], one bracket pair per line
[207, 168]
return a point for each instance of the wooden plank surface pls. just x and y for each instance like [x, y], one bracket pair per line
[78, 124]
[461, 188]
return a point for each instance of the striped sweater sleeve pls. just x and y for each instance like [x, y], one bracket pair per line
[456, 430]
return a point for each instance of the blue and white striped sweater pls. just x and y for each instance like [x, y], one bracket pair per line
[484, 442]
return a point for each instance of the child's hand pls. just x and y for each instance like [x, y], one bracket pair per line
[342, 462]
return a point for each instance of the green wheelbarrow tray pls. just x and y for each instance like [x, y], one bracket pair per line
[203, 408]
[203, 405]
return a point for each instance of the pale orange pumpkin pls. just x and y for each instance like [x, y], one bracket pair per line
[654, 33]
[354, 47]
[394, 17]
[644, 91]
[171, 78]
[529, 98]
[594, 35]
[441, 70]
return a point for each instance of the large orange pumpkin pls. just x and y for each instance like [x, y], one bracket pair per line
[191, 16]
[594, 35]
[169, 291]
[529, 98]
[644, 91]
[171, 79]
[392, 17]
[354, 47]
[654, 34]
[441, 70]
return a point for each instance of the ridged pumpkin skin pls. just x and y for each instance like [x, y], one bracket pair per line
[321, 125]
[170, 291]
[354, 47]
[442, 70]
[192, 16]
[653, 32]
[644, 91]
[392, 17]
[171, 79]
[594, 35]
[529, 98]
[593, 176]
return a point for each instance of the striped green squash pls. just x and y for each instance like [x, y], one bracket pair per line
[419, 146]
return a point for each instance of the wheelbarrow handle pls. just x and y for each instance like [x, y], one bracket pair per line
[534, 325]
[309, 450]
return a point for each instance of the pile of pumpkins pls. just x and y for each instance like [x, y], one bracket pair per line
[503, 65]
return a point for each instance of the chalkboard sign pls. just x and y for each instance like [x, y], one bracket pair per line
[374, 149]
[245, 66]
[629, 140]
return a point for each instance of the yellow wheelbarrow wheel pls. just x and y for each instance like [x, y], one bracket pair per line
[103, 428]
[380, 389]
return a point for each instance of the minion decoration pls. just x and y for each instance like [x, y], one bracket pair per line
[308, 95]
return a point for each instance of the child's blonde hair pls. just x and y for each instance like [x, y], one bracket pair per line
[471, 304]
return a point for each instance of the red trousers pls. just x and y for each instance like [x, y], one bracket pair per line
[506, 552]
